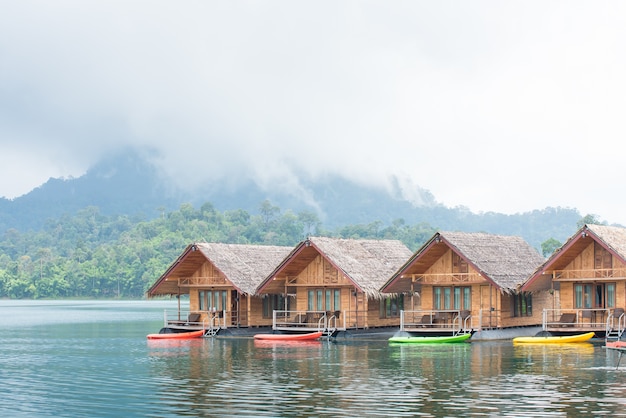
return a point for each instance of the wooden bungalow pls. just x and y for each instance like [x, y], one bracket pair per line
[586, 282]
[467, 281]
[333, 284]
[220, 280]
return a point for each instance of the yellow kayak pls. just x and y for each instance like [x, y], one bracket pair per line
[578, 338]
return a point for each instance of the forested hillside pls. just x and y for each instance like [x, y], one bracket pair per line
[93, 255]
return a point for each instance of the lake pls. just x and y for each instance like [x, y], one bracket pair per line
[92, 359]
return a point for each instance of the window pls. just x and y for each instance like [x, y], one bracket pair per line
[582, 296]
[437, 298]
[523, 304]
[324, 300]
[212, 300]
[390, 307]
[447, 298]
[273, 303]
[594, 295]
[610, 295]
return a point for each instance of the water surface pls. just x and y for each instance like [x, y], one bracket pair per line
[92, 359]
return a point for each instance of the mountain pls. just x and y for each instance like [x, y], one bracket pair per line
[126, 184]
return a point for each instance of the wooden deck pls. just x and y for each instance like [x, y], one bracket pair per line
[436, 322]
[309, 320]
[600, 321]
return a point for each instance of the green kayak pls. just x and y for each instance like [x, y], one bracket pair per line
[431, 340]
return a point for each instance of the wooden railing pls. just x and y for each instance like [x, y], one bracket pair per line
[314, 320]
[576, 318]
[589, 274]
[207, 320]
[441, 278]
[455, 321]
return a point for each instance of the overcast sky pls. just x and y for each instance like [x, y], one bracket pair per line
[504, 106]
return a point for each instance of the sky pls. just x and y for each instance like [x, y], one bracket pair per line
[494, 106]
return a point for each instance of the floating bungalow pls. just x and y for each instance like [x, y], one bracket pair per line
[464, 282]
[333, 284]
[585, 280]
[220, 280]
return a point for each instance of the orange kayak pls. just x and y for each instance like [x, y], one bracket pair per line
[289, 337]
[177, 335]
[616, 344]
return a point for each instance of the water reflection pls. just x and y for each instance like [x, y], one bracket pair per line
[106, 367]
[252, 378]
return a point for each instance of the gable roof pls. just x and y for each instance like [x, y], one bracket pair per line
[612, 238]
[245, 266]
[505, 261]
[366, 263]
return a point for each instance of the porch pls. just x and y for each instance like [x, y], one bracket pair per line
[318, 320]
[211, 321]
[437, 321]
[609, 321]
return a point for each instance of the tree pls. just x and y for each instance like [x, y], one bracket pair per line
[310, 221]
[268, 212]
[549, 246]
[588, 220]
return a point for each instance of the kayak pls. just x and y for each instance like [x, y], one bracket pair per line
[578, 338]
[289, 337]
[287, 343]
[430, 340]
[177, 335]
[617, 345]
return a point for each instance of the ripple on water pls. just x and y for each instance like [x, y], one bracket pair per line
[101, 368]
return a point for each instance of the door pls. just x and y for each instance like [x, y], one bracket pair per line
[487, 301]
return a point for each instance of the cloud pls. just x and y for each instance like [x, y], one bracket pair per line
[495, 106]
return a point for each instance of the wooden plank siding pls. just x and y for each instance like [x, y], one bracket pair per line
[581, 270]
[483, 295]
[319, 266]
[492, 267]
[231, 268]
[593, 259]
[321, 274]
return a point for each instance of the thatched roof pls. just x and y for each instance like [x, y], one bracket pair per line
[508, 261]
[366, 263]
[505, 261]
[612, 238]
[245, 266]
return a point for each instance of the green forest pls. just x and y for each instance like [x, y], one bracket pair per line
[89, 255]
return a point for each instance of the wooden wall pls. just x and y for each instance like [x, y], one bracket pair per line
[321, 274]
[256, 312]
[566, 295]
[584, 260]
[564, 298]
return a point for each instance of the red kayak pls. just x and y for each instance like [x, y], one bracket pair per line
[620, 345]
[177, 335]
[289, 337]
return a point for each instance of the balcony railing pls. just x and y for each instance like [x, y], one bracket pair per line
[317, 320]
[455, 321]
[582, 320]
[192, 320]
[589, 274]
[441, 278]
